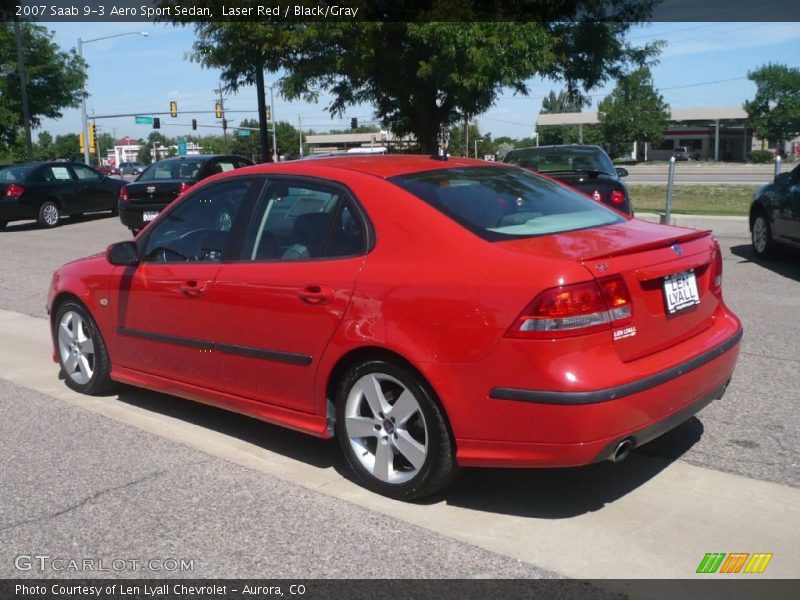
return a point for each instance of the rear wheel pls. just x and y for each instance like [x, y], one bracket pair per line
[392, 431]
[763, 244]
[3, 224]
[49, 215]
[82, 352]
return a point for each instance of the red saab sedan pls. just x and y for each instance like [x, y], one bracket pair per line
[431, 314]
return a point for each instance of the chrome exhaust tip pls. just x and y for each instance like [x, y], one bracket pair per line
[622, 450]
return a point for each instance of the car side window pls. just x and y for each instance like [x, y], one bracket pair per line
[56, 173]
[303, 221]
[85, 173]
[199, 228]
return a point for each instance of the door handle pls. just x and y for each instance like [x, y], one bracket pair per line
[316, 294]
[192, 288]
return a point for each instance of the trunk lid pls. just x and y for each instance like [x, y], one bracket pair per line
[160, 191]
[645, 255]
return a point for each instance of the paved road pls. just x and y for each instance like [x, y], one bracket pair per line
[145, 475]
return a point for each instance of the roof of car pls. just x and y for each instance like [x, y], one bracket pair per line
[386, 165]
[203, 157]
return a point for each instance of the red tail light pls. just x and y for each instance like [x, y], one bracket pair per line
[123, 193]
[14, 191]
[575, 309]
[617, 197]
[716, 270]
[184, 186]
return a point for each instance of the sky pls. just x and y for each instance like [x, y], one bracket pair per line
[702, 65]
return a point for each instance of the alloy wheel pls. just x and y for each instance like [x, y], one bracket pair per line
[386, 428]
[50, 214]
[76, 347]
[760, 235]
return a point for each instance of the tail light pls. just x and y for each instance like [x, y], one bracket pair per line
[184, 186]
[716, 270]
[123, 193]
[14, 190]
[576, 309]
[617, 197]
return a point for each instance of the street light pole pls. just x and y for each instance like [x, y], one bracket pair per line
[84, 120]
[272, 114]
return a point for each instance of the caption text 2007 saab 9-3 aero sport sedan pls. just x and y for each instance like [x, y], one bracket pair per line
[431, 314]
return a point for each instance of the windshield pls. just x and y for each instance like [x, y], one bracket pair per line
[172, 169]
[503, 203]
[554, 159]
[18, 173]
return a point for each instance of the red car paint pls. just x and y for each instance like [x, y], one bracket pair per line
[442, 299]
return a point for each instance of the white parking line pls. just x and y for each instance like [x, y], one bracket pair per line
[660, 529]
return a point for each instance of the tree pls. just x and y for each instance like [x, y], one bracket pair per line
[564, 102]
[775, 111]
[248, 146]
[55, 78]
[634, 111]
[421, 77]
[43, 149]
[67, 147]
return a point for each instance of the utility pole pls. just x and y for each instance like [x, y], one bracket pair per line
[263, 142]
[23, 83]
[222, 106]
[272, 114]
[466, 135]
[300, 128]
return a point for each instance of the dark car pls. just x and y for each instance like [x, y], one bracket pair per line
[45, 191]
[586, 168]
[141, 200]
[775, 214]
[131, 168]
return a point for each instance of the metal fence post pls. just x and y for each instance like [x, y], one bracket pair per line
[777, 165]
[667, 218]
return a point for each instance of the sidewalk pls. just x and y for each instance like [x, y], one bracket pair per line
[721, 226]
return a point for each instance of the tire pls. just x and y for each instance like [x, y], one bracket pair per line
[49, 215]
[82, 353]
[761, 236]
[415, 441]
[3, 224]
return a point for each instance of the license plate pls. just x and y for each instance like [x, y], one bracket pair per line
[680, 291]
[149, 215]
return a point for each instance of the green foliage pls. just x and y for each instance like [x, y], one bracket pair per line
[634, 111]
[68, 147]
[55, 78]
[775, 110]
[760, 156]
[422, 76]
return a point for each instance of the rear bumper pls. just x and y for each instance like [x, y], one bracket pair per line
[131, 215]
[568, 424]
[12, 209]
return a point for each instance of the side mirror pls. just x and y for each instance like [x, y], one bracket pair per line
[622, 172]
[783, 178]
[123, 254]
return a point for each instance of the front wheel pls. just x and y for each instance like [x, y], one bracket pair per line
[3, 224]
[49, 215]
[763, 244]
[82, 352]
[392, 432]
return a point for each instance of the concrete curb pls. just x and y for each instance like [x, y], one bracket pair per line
[721, 226]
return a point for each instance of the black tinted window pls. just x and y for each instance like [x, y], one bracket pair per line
[199, 229]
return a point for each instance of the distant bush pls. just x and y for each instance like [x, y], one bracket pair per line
[760, 156]
[625, 161]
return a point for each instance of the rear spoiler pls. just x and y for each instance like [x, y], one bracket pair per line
[693, 234]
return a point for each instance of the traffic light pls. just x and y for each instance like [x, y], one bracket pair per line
[156, 123]
[194, 124]
[81, 138]
[224, 124]
[92, 138]
[353, 123]
[268, 113]
[173, 109]
[218, 109]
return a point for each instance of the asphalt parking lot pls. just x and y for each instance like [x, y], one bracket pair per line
[144, 473]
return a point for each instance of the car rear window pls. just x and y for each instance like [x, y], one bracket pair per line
[555, 159]
[17, 173]
[500, 203]
[172, 169]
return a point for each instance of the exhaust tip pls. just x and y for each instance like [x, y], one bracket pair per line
[622, 450]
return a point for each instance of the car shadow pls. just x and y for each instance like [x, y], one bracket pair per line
[537, 493]
[18, 226]
[786, 263]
